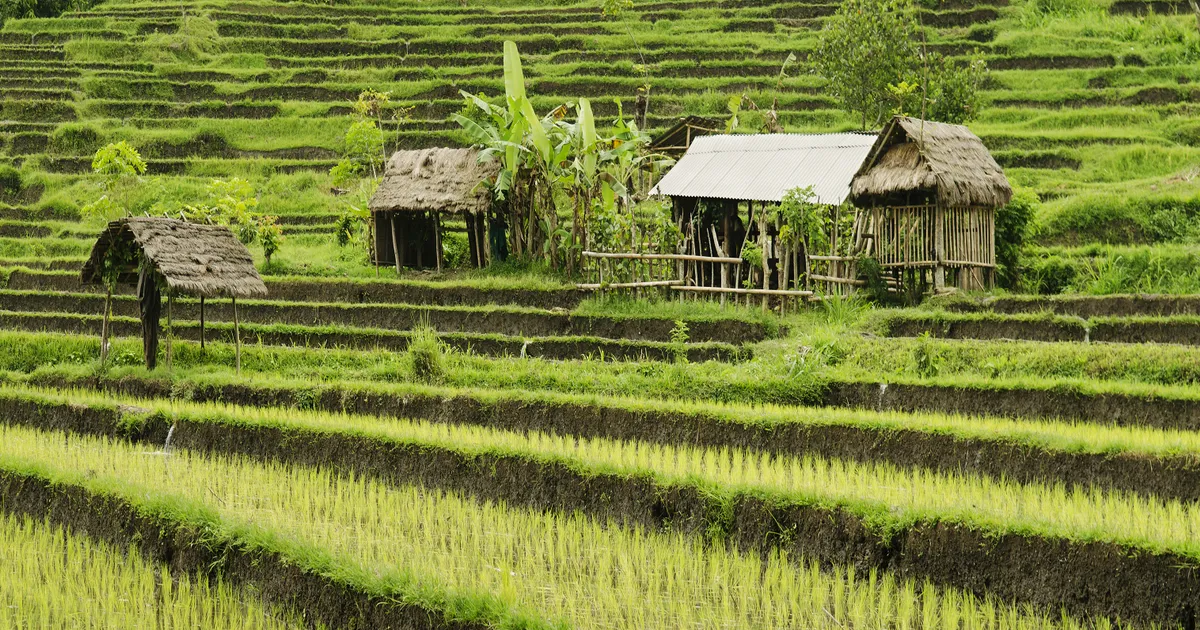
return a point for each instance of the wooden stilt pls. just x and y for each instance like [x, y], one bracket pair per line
[170, 328]
[397, 251]
[420, 248]
[237, 339]
[201, 322]
[104, 327]
[437, 239]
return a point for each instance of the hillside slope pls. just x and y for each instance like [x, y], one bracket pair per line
[1092, 104]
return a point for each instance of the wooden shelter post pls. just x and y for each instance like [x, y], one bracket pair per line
[104, 326]
[939, 247]
[170, 327]
[237, 339]
[201, 322]
[397, 252]
[437, 239]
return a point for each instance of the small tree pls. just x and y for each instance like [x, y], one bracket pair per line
[234, 203]
[870, 54]
[865, 47]
[119, 165]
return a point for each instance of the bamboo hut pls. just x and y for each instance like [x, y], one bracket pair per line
[160, 254]
[929, 192]
[418, 190]
[722, 188]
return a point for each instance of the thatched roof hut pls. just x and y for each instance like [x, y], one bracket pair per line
[200, 260]
[918, 158]
[441, 180]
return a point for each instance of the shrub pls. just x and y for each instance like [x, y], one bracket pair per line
[1012, 229]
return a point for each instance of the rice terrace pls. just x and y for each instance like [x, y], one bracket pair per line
[611, 314]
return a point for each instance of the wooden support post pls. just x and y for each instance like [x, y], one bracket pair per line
[437, 239]
[397, 251]
[170, 328]
[104, 327]
[939, 249]
[237, 339]
[420, 248]
[201, 322]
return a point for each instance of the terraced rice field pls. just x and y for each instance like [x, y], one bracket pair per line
[498, 450]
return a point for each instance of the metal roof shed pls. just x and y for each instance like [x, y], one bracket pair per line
[764, 167]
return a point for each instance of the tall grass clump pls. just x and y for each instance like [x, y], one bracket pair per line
[426, 355]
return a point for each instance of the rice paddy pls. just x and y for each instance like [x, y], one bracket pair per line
[492, 448]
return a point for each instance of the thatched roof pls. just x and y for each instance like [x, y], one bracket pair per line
[446, 180]
[913, 155]
[202, 260]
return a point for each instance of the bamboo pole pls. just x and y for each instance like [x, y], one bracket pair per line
[237, 338]
[939, 250]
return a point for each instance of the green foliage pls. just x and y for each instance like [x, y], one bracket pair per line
[869, 53]
[364, 147]
[804, 219]
[117, 161]
[865, 47]
[1013, 226]
[234, 203]
[12, 9]
[615, 8]
[679, 339]
[927, 356]
[871, 272]
[120, 167]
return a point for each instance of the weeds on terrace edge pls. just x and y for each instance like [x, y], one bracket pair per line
[500, 563]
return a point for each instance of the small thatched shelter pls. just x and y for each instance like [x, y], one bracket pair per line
[676, 140]
[932, 190]
[158, 254]
[420, 186]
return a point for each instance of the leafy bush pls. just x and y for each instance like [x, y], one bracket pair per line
[41, 8]
[1012, 229]
[1124, 220]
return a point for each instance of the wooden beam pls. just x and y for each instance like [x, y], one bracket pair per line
[699, 289]
[629, 285]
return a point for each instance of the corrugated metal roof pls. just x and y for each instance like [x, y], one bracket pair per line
[764, 167]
